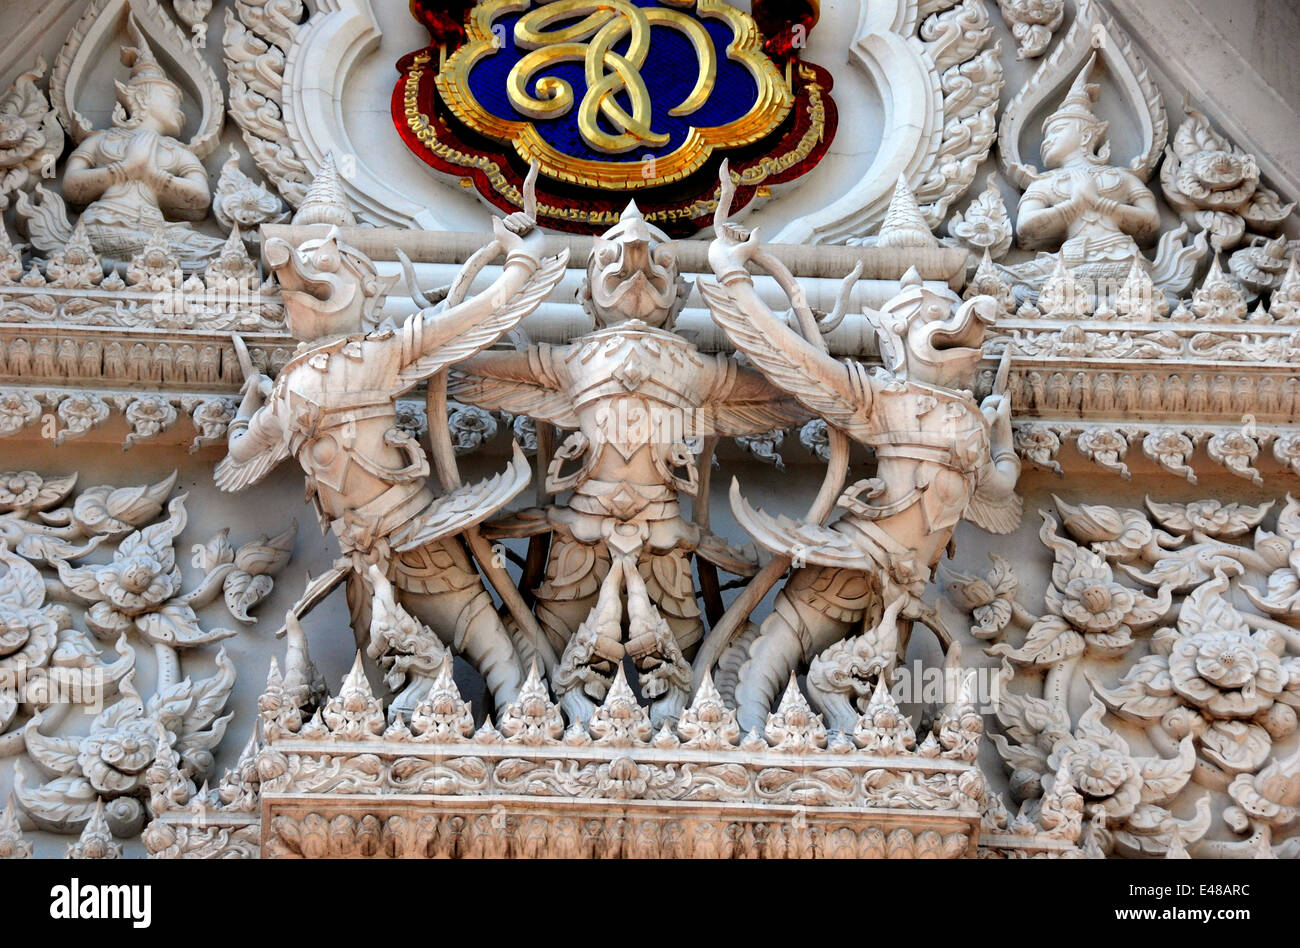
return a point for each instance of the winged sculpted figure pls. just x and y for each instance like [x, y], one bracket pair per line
[845, 612]
[333, 408]
[642, 406]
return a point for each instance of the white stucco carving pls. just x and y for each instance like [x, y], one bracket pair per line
[561, 646]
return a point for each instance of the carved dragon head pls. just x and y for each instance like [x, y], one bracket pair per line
[923, 339]
[632, 274]
[328, 286]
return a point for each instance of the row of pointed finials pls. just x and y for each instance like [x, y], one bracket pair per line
[882, 729]
[1069, 294]
[534, 720]
[79, 267]
[96, 840]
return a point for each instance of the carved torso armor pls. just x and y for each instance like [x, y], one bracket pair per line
[637, 393]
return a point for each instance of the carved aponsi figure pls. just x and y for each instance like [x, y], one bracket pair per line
[137, 177]
[638, 400]
[1094, 215]
[1094, 212]
[940, 457]
[333, 407]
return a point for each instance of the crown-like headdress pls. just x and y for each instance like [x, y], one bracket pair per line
[1078, 101]
[144, 65]
[662, 292]
[145, 71]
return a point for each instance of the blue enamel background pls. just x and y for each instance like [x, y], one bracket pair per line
[670, 72]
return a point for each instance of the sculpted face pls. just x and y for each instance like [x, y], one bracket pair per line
[327, 288]
[162, 105]
[151, 104]
[1067, 137]
[935, 344]
[632, 274]
[945, 350]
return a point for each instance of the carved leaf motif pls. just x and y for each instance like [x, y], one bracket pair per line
[210, 695]
[1188, 567]
[1209, 517]
[8, 707]
[1236, 746]
[175, 624]
[21, 585]
[1143, 695]
[1288, 520]
[1050, 640]
[58, 755]
[80, 581]
[243, 592]
[1163, 778]
[267, 556]
[215, 552]
[157, 540]
[171, 704]
[1072, 561]
[1090, 726]
[105, 510]
[60, 805]
[1168, 837]
[1206, 610]
[989, 598]
[1026, 718]
[41, 548]
[53, 491]
[1020, 756]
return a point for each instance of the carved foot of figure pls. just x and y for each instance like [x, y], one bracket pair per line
[411, 650]
[587, 664]
[577, 707]
[773, 656]
[665, 674]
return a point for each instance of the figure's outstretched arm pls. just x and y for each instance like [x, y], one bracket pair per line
[796, 361]
[743, 402]
[255, 441]
[438, 337]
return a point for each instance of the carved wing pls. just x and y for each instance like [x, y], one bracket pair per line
[474, 383]
[995, 512]
[482, 335]
[467, 505]
[796, 368]
[757, 414]
[809, 542]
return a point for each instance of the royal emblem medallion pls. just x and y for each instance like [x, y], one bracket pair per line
[615, 100]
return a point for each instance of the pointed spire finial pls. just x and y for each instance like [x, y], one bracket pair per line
[904, 224]
[325, 202]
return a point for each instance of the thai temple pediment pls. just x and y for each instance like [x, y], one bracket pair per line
[649, 428]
